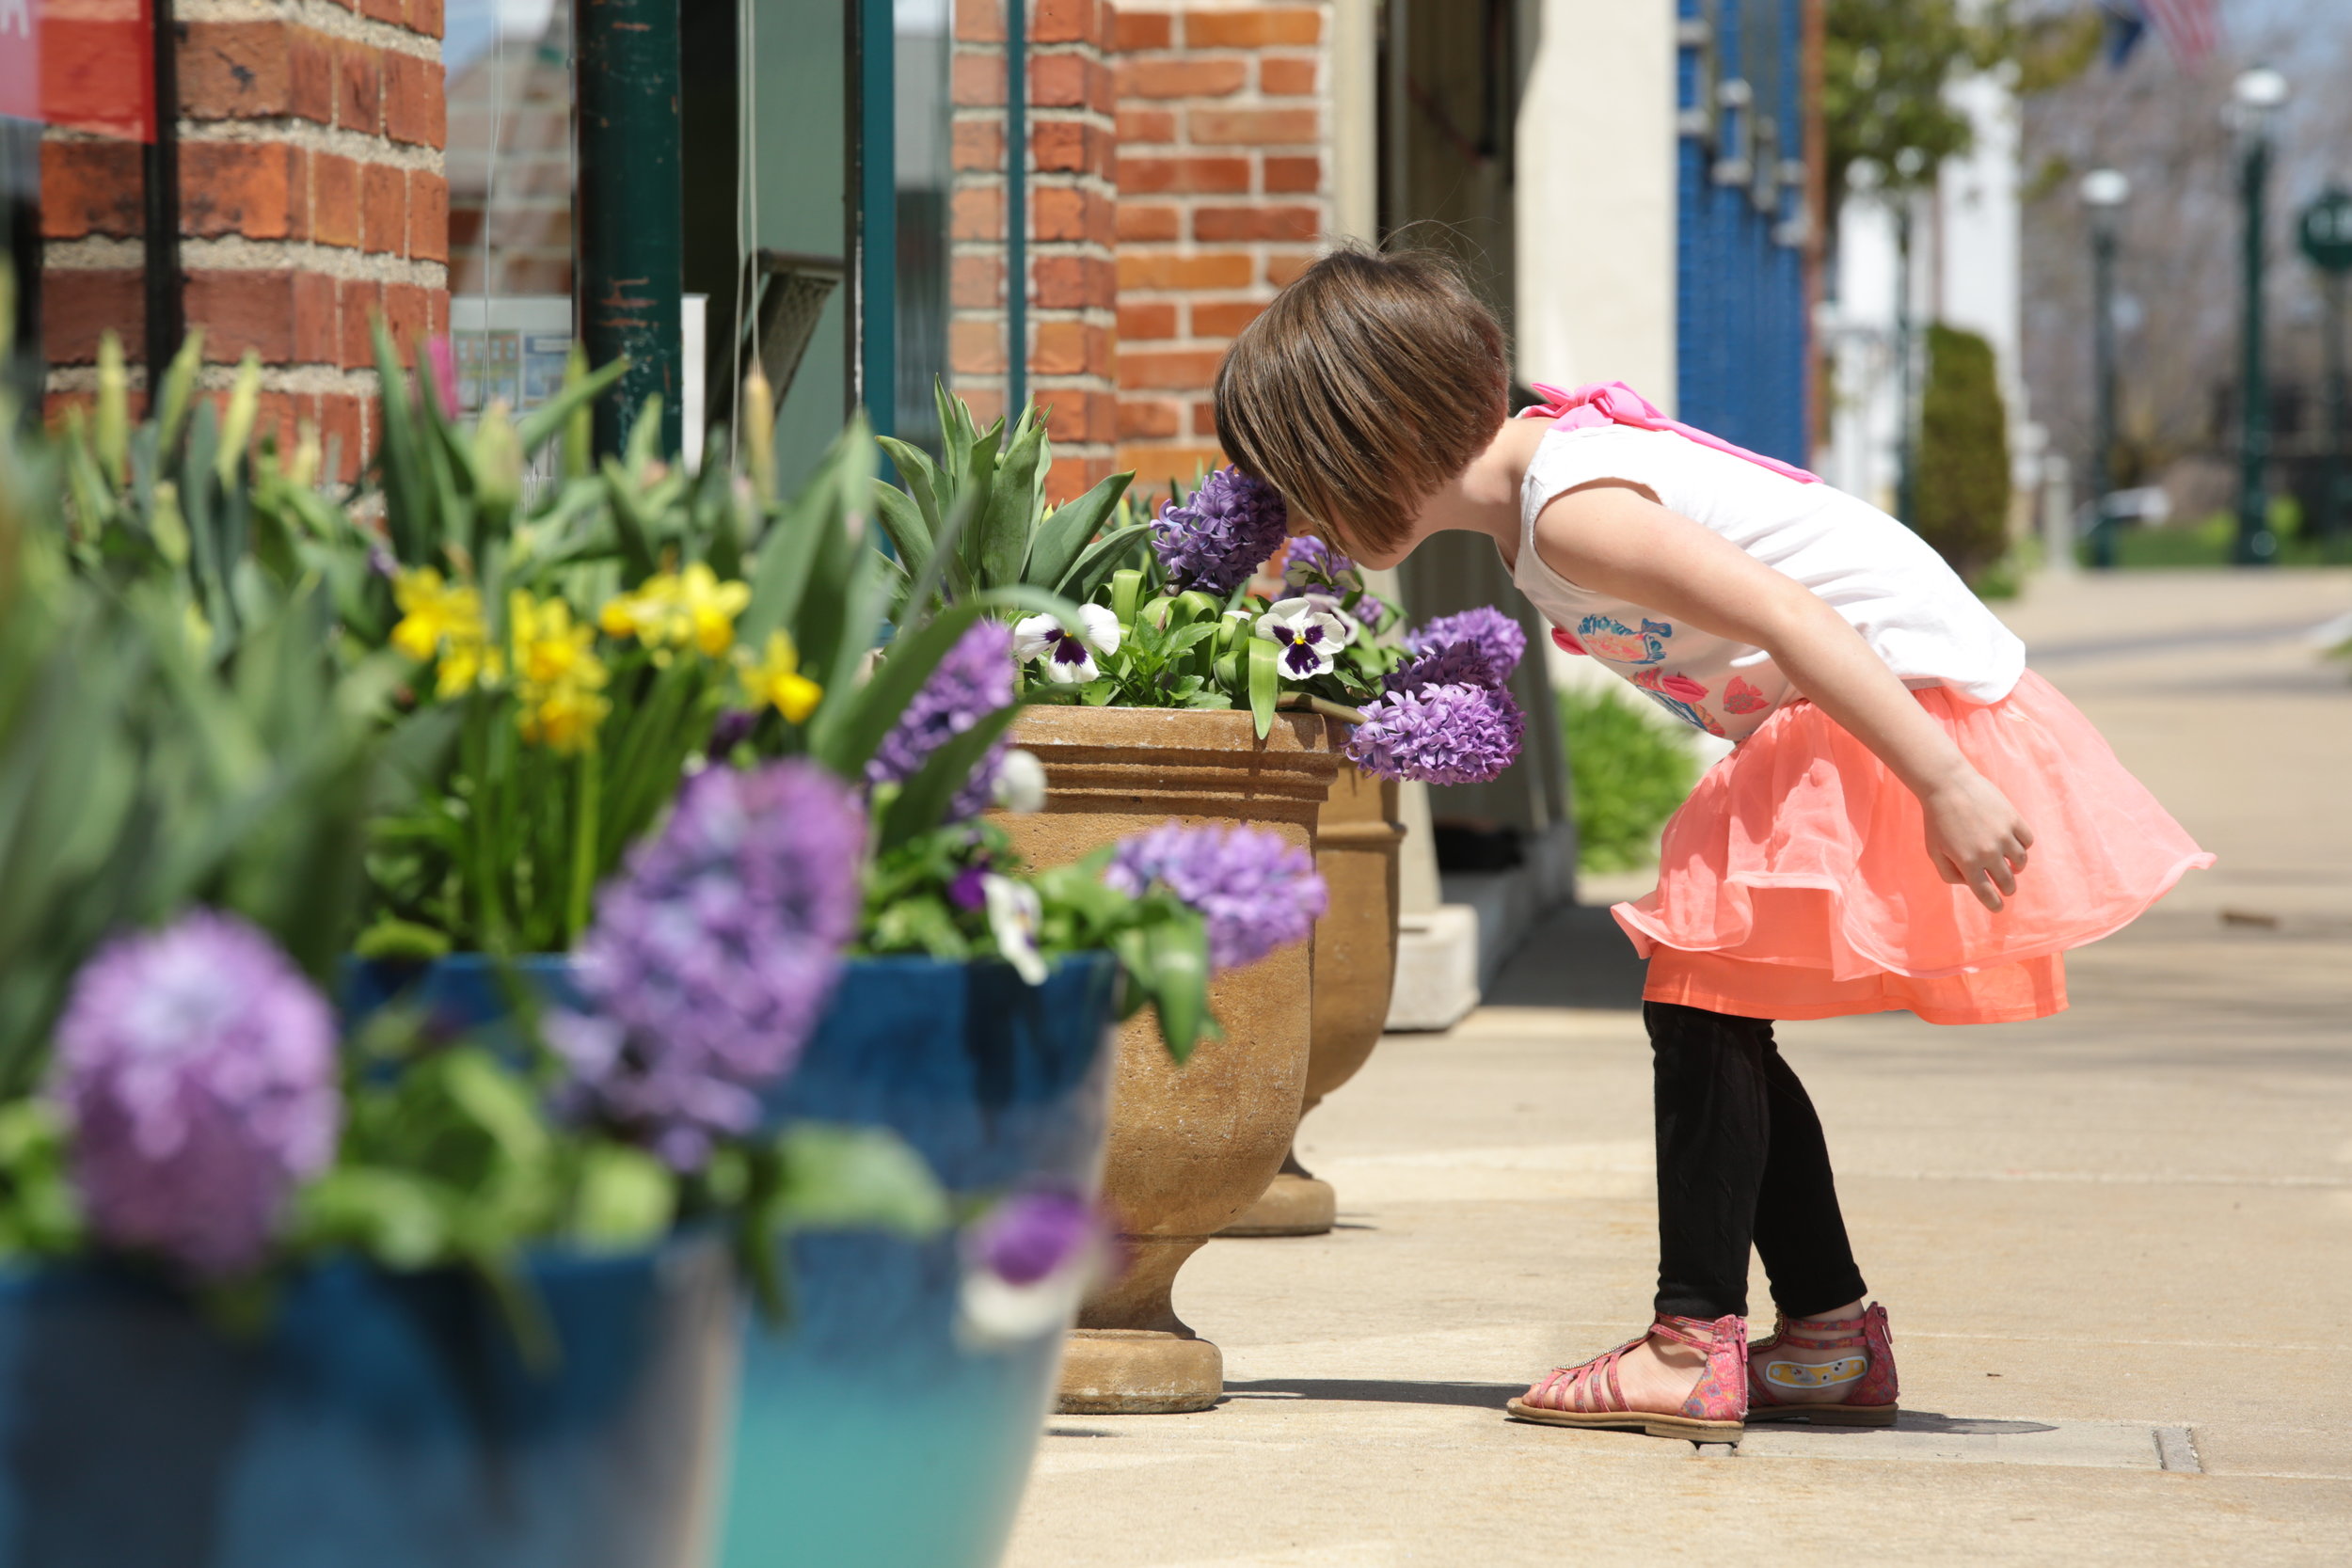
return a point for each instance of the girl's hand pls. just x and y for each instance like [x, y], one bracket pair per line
[1974, 836]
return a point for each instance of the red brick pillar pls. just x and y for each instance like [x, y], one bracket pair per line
[1225, 190]
[310, 196]
[1072, 288]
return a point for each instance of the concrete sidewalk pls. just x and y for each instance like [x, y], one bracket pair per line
[2117, 1244]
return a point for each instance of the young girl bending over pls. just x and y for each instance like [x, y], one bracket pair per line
[1910, 818]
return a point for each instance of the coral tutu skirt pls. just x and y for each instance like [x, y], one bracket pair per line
[1795, 882]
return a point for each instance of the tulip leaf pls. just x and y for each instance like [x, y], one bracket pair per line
[1265, 682]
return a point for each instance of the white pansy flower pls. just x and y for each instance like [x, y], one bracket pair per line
[1021, 782]
[1014, 914]
[1311, 628]
[1069, 657]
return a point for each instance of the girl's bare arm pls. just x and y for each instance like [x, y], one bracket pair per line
[1615, 539]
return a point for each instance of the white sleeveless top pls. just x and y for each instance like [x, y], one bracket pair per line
[1887, 582]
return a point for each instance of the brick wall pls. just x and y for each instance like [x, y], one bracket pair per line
[1224, 192]
[1073, 289]
[310, 193]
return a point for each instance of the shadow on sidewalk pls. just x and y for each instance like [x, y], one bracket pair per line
[1378, 1391]
[1576, 957]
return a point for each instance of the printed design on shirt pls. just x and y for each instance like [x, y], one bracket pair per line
[1740, 697]
[1680, 695]
[1606, 637]
[1566, 642]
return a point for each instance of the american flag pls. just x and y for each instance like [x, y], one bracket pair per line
[2191, 28]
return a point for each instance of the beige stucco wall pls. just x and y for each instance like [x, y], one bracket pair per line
[1597, 197]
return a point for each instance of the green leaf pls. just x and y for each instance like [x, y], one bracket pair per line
[902, 524]
[793, 547]
[546, 422]
[856, 1178]
[1093, 568]
[1265, 682]
[923, 800]
[1064, 537]
[626, 1198]
[394, 1217]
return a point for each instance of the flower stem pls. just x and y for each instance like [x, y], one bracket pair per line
[584, 834]
[1299, 702]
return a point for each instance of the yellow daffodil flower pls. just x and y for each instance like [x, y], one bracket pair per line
[677, 609]
[432, 611]
[565, 718]
[559, 678]
[710, 607]
[776, 680]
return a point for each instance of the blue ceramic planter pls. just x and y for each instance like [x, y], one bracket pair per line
[381, 1422]
[867, 1437]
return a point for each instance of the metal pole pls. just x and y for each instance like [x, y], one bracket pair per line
[166, 306]
[2256, 545]
[1016, 207]
[631, 217]
[1906, 432]
[2331, 518]
[2103, 248]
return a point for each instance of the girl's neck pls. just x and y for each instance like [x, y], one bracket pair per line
[1485, 496]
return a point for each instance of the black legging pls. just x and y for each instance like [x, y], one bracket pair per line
[1741, 1160]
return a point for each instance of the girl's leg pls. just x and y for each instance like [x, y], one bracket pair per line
[1714, 1146]
[1714, 1138]
[1800, 1232]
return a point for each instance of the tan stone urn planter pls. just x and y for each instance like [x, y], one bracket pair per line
[1191, 1147]
[1356, 839]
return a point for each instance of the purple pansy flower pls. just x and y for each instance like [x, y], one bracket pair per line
[1255, 892]
[972, 681]
[713, 953]
[1311, 630]
[198, 1067]
[1068, 655]
[1503, 639]
[1026, 1263]
[1218, 537]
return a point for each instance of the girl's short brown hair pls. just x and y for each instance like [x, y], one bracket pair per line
[1366, 386]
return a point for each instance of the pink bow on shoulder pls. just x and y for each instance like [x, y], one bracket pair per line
[1615, 402]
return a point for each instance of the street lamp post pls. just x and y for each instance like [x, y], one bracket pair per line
[2255, 101]
[2327, 237]
[2104, 192]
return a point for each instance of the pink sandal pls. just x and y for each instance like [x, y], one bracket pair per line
[1870, 1377]
[1587, 1395]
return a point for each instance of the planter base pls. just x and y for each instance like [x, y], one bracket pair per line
[1293, 1204]
[1134, 1372]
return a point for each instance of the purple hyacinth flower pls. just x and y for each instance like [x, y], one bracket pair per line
[713, 953]
[1312, 565]
[1503, 639]
[971, 683]
[1439, 734]
[198, 1064]
[1219, 536]
[1454, 664]
[1255, 892]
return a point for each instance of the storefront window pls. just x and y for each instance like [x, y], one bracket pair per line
[784, 103]
[510, 171]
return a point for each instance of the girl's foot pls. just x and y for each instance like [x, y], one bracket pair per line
[1686, 1378]
[1835, 1370]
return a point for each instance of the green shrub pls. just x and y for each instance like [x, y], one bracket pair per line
[1963, 489]
[1627, 775]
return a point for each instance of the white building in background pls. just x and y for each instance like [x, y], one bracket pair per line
[1965, 273]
